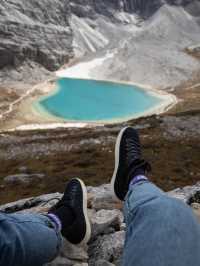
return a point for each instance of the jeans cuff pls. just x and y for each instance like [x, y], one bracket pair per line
[55, 220]
[136, 179]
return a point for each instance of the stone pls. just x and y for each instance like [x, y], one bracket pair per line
[103, 263]
[104, 220]
[71, 255]
[195, 198]
[23, 178]
[196, 210]
[123, 227]
[195, 206]
[107, 247]
[24, 170]
[74, 252]
[101, 198]
[81, 264]
[186, 194]
[91, 213]
[60, 261]
[179, 127]
[44, 201]
[194, 49]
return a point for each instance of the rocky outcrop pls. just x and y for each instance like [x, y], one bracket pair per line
[178, 127]
[194, 50]
[108, 229]
[23, 178]
[35, 31]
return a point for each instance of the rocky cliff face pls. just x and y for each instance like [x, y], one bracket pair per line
[35, 30]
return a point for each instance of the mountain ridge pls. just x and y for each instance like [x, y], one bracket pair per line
[48, 34]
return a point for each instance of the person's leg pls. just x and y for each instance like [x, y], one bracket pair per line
[33, 239]
[160, 230]
[28, 239]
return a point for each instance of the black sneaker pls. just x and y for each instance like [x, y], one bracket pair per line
[75, 200]
[127, 161]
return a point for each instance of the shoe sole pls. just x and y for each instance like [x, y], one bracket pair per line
[117, 147]
[88, 226]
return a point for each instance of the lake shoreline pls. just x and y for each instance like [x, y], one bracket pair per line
[24, 117]
[84, 70]
[168, 101]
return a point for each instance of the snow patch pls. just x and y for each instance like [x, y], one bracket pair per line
[83, 70]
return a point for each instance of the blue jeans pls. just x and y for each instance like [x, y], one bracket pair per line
[27, 240]
[161, 231]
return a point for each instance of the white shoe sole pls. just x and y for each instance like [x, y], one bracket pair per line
[117, 146]
[85, 212]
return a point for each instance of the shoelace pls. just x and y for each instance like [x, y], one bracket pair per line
[133, 149]
[70, 197]
[64, 201]
[67, 200]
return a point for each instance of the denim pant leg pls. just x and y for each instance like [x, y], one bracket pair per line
[27, 240]
[161, 231]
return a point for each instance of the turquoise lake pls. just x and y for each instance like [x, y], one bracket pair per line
[89, 100]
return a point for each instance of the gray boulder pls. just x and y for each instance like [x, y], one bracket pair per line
[35, 204]
[187, 194]
[74, 252]
[194, 49]
[23, 178]
[105, 221]
[61, 261]
[107, 247]
[71, 255]
[196, 208]
[102, 198]
[104, 263]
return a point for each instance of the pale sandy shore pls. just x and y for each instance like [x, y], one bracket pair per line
[52, 126]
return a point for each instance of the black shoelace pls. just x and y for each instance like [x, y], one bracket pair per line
[133, 150]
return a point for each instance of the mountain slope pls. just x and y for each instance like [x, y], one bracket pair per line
[39, 36]
[156, 54]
